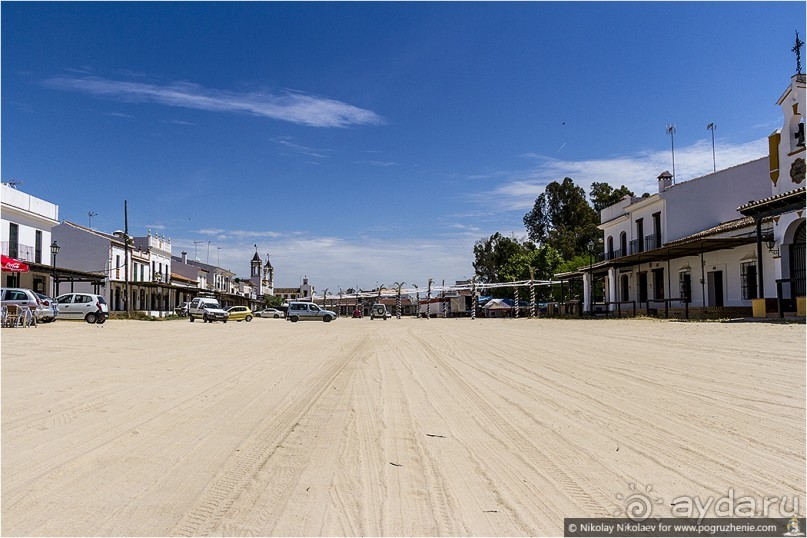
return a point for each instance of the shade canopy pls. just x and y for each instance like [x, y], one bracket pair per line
[10, 265]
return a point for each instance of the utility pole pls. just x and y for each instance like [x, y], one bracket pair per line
[712, 128]
[126, 255]
[671, 132]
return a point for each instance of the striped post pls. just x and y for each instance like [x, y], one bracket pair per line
[429, 301]
[398, 305]
[417, 303]
[532, 298]
[517, 308]
[475, 302]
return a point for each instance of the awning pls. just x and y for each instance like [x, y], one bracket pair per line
[10, 265]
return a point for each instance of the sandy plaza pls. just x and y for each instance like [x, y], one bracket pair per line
[400, 427]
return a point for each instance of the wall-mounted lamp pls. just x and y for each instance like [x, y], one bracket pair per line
[771, 244]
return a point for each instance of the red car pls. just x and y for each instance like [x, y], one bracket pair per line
[357, 313]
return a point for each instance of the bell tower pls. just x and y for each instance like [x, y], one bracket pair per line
[255, 265]
[786, 145]
[268, 283]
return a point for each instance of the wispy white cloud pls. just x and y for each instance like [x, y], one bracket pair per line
[118, 115]
[291, 106]
[638, 171]
[286, 143]
[222, 234]
[376, 163]
[179, 122]
[331, 262]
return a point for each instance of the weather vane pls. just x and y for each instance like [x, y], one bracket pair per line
[797, 50]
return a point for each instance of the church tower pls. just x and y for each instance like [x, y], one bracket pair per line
[255, 265]
[268, 283]
[786, 145]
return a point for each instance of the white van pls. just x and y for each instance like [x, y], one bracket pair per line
[208, 309]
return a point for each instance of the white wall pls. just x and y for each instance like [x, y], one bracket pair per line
[707, 201]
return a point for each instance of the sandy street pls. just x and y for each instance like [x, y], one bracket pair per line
[410, 427]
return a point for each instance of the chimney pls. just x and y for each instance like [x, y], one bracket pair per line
[665, 181]
[184, 257]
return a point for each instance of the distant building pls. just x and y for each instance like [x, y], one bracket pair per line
[304, 292]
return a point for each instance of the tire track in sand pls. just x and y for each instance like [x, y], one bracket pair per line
[235, 477]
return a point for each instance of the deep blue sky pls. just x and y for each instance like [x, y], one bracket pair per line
[366, 143]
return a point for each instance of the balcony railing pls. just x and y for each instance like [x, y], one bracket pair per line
[636, 246]
[25, 253]
[612, 255]
[652, 241]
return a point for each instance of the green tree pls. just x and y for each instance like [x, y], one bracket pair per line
[272, 301]
[562, 218]
[544, 261]
[491, 254]
[602, 195]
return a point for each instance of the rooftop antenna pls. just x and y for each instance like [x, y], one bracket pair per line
[13, 183]
[90, 215]
[712, 128]
[195, 255]
[671, 132]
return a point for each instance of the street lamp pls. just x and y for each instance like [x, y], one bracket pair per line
[54, 250]
[590, 276]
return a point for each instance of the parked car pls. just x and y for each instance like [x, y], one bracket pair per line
[208, 309]
[239, 313]
[379, 311]
[23, 297]
[269, 313]
[87, 306]
[301, 310]
[357, 313]
[182, 309]
[48, 307]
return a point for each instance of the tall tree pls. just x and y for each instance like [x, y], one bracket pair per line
[491, 254]
[563, 219]
[602, 195]
[544, 261]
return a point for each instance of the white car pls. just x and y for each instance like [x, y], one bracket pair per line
[87, 306]
[303, 310]
[269, 313]
[208, 309]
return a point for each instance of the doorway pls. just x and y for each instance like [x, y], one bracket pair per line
[797, 262]
[624, 288]
[714, 283]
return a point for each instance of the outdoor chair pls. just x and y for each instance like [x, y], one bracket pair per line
[10, 315]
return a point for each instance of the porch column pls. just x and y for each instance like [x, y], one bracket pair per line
[587, 282]
[612, 285]
[761, 281]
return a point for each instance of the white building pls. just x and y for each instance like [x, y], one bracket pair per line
[720, 241]
[26, 236]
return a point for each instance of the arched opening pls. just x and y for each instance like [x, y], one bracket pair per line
[624, 288]
[623, 244]
[797, 261]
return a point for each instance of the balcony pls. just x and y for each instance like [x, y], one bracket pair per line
[636, 246]
[614, 254]
[652, 241]
[25, 253]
